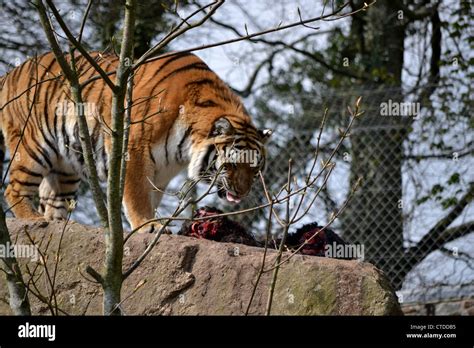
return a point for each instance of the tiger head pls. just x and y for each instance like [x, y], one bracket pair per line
[231, 158]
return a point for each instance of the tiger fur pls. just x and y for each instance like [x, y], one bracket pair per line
[183, 116]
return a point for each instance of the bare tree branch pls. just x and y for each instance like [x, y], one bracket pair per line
[178, 32]
[327, 17]
[70, 73]
[114, 237]
[77, 44]
[440, 234]
[312, 55]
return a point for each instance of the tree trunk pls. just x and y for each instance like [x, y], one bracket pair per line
[19, 303]
[113, 276]
[374, 216]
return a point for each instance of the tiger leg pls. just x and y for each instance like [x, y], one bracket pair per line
[26, 175]
[139, 198]
[57, 192]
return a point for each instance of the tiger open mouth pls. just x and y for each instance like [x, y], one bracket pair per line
[231, 197]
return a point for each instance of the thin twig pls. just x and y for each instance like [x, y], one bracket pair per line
[79, 46]
[262, 266]
[271, 290]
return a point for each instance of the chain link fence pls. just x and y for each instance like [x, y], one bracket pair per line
[412, 212]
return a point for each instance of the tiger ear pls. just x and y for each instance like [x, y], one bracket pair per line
[221, 126]
[265, 134]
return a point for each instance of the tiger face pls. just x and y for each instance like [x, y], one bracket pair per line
[233, 158]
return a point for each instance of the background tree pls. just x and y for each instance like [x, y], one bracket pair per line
[19, 37]
[369, 58]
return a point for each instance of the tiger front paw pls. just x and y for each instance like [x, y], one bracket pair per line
[39, 221]
[154, 227]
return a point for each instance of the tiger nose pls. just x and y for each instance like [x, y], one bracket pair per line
[242, 188]
[242, 193]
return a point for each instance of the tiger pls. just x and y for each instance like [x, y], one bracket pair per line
[183, 116]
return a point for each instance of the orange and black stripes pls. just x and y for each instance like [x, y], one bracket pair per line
[177, 101]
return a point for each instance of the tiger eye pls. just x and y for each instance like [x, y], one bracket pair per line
[207, 103]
